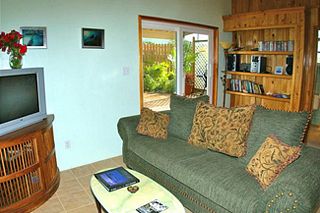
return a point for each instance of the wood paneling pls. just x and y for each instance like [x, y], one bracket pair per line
[312, 22]
[244, 6]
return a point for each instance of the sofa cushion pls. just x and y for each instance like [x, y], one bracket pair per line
[160, 154]
[272, 157]
[221, 129]
[182, 110]
[220, 178]
[199, 169]
[289, 127]
[153, 124]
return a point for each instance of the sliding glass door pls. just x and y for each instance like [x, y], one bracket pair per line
[176, 59]
[196, 62]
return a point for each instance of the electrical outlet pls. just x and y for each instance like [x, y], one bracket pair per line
[67, 144]
[125, 70]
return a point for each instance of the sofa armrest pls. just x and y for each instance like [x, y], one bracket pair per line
[297, 187]
[127, 127]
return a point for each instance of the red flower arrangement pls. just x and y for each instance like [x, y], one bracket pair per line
[10, 43]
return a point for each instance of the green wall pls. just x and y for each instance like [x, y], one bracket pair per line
[86, 88]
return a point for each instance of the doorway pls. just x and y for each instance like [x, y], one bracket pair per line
[159, 67]
[176, 58]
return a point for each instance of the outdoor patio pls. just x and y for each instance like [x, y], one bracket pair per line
[156, 101]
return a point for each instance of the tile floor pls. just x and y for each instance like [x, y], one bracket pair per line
[73, 194]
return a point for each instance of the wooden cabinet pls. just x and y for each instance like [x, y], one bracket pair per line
[28, 169]
[280, 25]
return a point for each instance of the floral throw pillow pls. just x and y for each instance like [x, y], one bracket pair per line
[221, 129]
[153, 124]
[272, 157]
[196, 136]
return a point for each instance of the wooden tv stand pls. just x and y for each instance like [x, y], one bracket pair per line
[29, 175]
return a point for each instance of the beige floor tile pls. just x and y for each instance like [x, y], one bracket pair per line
[66, 175]
[100, 165]
[89, 193]
[68, 187]
[74, 200]
[53, 205]
[83, 170]
[85, 182]
[118, 160]
[86, 209]
[55, 195]
[66, 180]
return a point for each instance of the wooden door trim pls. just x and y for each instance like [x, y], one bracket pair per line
[173, 21]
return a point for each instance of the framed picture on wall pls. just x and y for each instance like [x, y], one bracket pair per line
[34, 37]
[92, 38]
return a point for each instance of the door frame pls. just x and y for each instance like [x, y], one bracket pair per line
[186, 25]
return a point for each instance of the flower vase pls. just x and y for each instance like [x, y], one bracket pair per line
[15, 61]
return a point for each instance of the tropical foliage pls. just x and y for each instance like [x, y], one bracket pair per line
[159, 77]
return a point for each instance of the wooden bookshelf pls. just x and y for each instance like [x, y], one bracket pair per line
[248, 29]
[268, 97]
[261, 52]
[252, 74]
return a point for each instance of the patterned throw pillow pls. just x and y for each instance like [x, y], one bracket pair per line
[182, 111]
[153, 124]
[221, 129]
[272, 157]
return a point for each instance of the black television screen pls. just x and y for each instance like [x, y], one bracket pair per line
[18, 96]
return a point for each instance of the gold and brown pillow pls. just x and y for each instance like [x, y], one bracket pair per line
[272, 157]
[153, 124]
[221, 129]
[196, 136]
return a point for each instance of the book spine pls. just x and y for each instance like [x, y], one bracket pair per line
[262, 89]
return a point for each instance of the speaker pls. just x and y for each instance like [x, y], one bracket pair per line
[258, 64]
[289, 65]
[233, 62]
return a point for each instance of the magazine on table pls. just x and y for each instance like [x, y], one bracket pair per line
[154, 206]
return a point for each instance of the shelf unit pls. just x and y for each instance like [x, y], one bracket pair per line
[261, 52]
[252, 74]
[269, 25]
[268, 97]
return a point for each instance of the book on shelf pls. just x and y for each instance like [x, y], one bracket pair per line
[245, 86]
[117, 178]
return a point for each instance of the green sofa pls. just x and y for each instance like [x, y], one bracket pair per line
[207, 181]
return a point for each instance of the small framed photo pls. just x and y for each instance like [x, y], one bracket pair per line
[92, 38]
[278, 70]
[34, 37]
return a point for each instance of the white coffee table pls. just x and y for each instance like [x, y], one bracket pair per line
[122, 201]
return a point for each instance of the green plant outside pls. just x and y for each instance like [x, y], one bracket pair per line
[189, 57]
[159, 77]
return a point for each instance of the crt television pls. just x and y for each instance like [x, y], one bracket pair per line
[22, 98]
